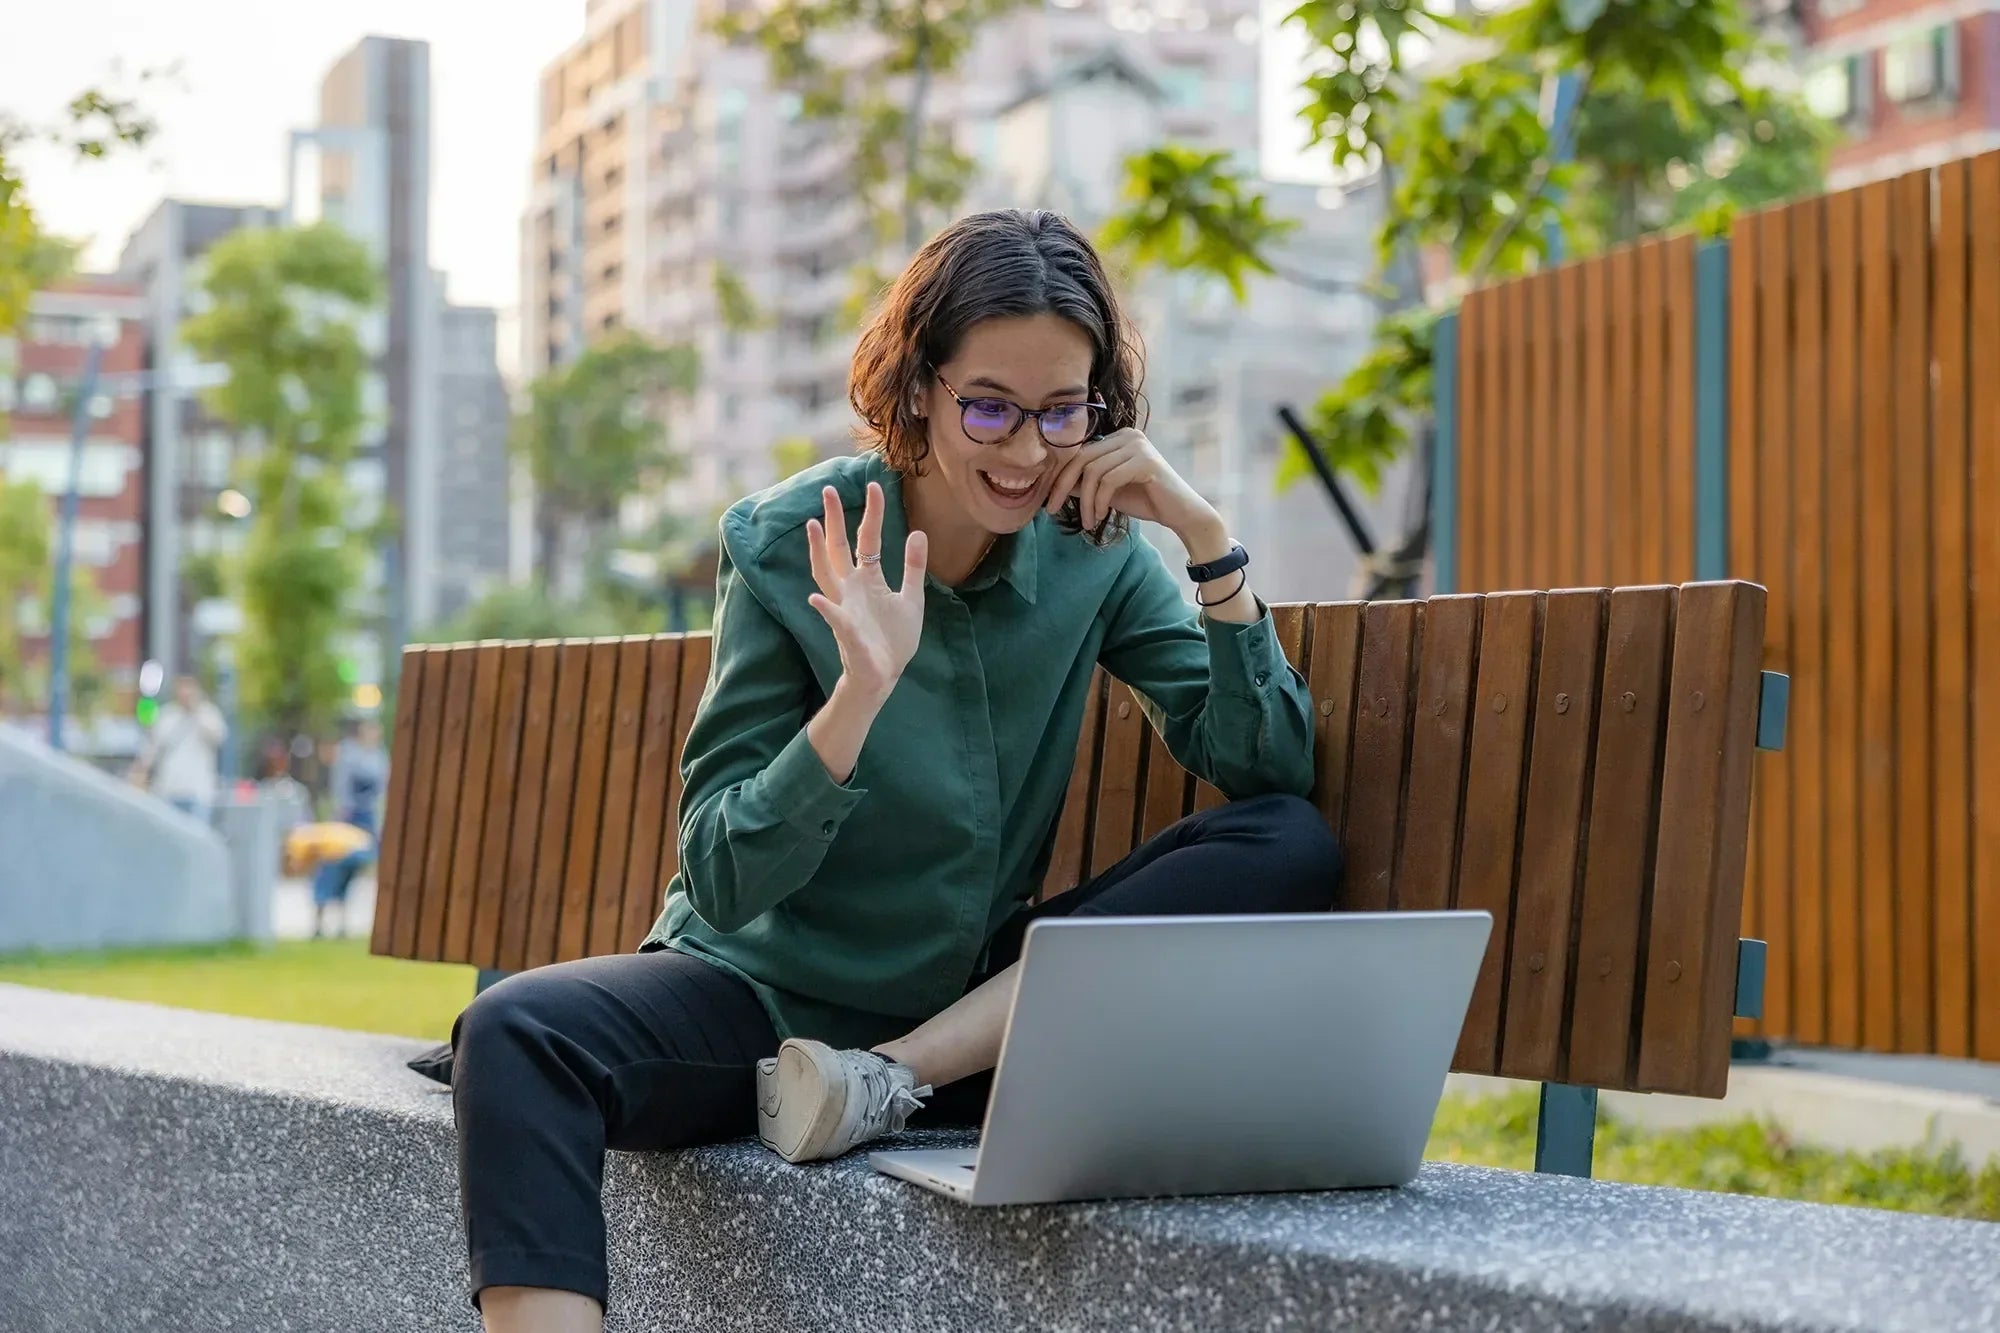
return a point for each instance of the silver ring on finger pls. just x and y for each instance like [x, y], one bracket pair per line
[870, 559]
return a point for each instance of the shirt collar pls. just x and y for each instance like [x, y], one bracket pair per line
[1015, 561]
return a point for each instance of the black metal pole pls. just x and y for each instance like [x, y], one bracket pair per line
[1364, 541]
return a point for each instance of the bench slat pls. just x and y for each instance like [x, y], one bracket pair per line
[653, 819]
[558, 796]
[1552, 824]
[1169, 792]
[1705, 822]
[1428, 857]
[509, 712]
[1330, 675]
[1068, 859]
[614, 839]
[515, 908]
[695, 660]
[1116, 808]
[397, 803]
[1381, 730]
[441, 837]
[1509, 625]
[1618, 863]
[456, 944]
[586, 823]
[423, 785]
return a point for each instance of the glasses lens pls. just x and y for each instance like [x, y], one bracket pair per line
[989, 420]
[1068, 425]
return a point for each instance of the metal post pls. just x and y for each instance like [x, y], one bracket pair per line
[1711, 411]
[59, 596]
[1566, 1132]
[225, 688]
[1562, 123]
[1444, 455]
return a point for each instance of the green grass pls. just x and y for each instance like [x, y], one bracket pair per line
[337, 983]
[1738, 1157]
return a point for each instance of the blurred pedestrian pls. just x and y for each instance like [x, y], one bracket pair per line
[360, 774]
[332, 852]
[178, 763]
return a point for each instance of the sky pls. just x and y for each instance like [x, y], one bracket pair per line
[242, 73]
[246, 72]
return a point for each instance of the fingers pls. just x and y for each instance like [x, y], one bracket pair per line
[916, 560]
[839, 557]
[832, 613]
[1090, 492]
[868, 539]
[1072, 469]
[1104, 486]
[816, 549]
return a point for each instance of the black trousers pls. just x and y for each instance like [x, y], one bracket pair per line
[658, 1050]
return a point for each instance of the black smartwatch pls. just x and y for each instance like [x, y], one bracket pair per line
[1221, 566]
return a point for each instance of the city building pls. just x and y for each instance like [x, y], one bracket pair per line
[666, 165]
[367, 167]
[1912, 83]
[473, 465]
[191, 458]
[40, 371]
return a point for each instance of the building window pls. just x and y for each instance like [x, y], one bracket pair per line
[1840, 91]
[38, 393]
[1923, 68]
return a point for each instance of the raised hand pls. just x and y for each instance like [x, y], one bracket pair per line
[876, 627]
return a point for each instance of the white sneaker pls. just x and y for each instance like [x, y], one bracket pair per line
[814, 1102]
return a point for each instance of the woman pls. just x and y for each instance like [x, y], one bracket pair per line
[874, 775]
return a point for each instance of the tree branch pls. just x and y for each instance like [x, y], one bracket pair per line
[1559, 145]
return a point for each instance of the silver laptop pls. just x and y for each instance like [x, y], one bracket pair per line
[1150, 1056]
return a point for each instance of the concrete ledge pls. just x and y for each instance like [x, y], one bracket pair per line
[171, 1170]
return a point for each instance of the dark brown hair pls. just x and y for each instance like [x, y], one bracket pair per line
[1007, 264]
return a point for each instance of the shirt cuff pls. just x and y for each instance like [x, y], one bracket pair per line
[1244, 658]
[797, 785]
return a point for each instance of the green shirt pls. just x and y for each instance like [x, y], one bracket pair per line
[858, 910]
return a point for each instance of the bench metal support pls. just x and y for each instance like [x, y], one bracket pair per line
[1749, 978]
[487, 976]
[1774, 706]
[1566, 1131]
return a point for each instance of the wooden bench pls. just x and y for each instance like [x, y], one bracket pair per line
[1577, 763]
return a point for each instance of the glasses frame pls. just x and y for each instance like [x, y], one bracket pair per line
[965, 405]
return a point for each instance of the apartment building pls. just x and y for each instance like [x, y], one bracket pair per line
[40, 372]
[630, 230]
[1911, 82]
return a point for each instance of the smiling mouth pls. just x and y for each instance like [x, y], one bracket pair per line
[1010, 491]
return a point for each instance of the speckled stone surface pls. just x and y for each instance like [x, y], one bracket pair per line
[167, 1170]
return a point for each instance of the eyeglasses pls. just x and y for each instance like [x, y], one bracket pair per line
[994, 420]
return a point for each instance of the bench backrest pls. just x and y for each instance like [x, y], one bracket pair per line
[1576, 763]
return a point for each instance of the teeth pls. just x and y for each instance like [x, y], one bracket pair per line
[1008, 488]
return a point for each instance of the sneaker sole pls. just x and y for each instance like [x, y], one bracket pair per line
[796, 1132]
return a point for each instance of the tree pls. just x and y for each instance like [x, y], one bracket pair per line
[27, 581]
[593, 432]
[94, 125]
[1664, 125]
[282, 314]
[867, 69]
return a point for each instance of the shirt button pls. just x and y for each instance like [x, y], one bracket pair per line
[1263, 677]
[827, 828]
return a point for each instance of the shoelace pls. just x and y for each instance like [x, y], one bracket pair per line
[890, 1103]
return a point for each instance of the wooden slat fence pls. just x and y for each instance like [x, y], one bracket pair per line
[1858, 454]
